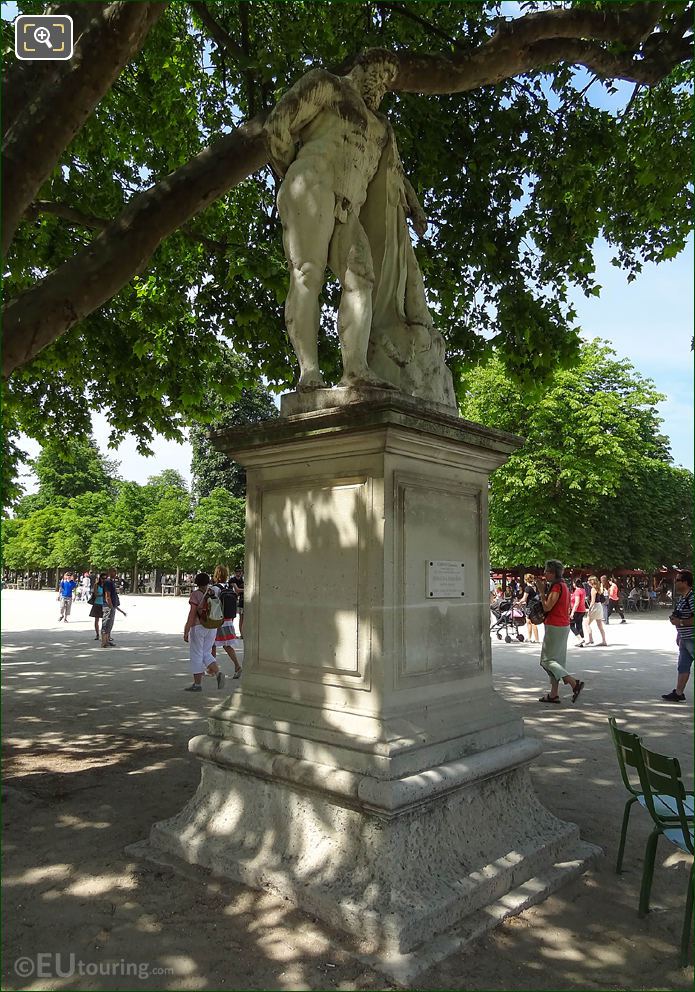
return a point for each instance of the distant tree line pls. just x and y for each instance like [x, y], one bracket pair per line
[84, 515]
[594, 484]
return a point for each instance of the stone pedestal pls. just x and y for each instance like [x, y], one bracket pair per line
[367, 769]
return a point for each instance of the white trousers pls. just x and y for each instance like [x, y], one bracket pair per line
[200, 642]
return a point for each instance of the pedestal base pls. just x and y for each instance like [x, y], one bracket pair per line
[393, 883]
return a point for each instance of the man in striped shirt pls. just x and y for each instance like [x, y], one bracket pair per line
[682, 620]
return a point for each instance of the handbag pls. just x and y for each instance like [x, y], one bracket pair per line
[534, 612]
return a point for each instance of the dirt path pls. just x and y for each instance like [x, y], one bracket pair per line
[95, 752]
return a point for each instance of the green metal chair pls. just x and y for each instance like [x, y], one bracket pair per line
[628, 747]
[660, 778]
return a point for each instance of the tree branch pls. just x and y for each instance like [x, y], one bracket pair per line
[91, 277]
[68, 213]
[74, 216]
[539, 40]
[59, 109]
[626, 23]
[221, 38]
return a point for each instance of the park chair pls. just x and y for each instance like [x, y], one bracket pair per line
[627, 747]
[660, 777]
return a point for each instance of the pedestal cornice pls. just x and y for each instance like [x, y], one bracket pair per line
[382, 410]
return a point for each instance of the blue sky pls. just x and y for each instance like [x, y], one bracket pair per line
[650, 322]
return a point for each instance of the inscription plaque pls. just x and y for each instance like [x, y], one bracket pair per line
[445, 579]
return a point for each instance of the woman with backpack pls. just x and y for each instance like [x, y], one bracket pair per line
[226, 633]
[200, 636]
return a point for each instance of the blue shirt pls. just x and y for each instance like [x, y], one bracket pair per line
[66, 588]
[110, 587]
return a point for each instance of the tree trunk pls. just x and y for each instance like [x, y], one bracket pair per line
[58, 109]
[178, 577]
[23, 80]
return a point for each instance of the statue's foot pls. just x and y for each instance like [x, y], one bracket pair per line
[366, 378]
[309, 381]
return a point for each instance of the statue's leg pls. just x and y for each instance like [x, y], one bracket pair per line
[307, 226]
[350, 258]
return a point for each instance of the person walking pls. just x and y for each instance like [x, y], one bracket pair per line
[65, 594]
[85, 590]
[97, 601]
[682, 620]
[594, 614]
[577, 610]
[555, 597]
[528, 597]
[614, 600]
[112, 602]
[226, 633]
[605, 592]
[238, 587]
[200, 639]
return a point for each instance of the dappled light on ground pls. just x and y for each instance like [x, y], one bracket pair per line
[96, 751]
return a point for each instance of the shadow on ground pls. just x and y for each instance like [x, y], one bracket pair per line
[95, 752]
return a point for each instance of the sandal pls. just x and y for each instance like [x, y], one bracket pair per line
[550, 699]
[577, 689]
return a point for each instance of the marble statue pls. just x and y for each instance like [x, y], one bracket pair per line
[344, 202]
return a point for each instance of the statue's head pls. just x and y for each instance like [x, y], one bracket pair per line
[372, 73]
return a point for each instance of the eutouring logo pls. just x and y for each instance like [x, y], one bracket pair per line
[47, 964]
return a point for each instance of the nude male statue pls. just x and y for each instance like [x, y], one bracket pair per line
[340, 138]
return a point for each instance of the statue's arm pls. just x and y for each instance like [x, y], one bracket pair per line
[417, 214]
[294, 110]
[411, 205]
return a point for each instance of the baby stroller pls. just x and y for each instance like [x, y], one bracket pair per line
[507, 614]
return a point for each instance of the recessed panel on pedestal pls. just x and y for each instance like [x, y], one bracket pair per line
[438, 527]
[309, 562]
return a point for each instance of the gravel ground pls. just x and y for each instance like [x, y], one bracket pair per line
[95, 746]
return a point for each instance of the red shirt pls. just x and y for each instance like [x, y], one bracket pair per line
[579, 601]
[559, 616]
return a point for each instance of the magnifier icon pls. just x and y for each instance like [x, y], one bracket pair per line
[43, 36]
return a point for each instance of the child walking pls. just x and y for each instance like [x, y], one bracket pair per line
[225, 633]
[200, 639]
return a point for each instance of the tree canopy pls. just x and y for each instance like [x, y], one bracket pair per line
[212, 469]
[593, 484]
[143, 240]
[215, 534]
[70, 467]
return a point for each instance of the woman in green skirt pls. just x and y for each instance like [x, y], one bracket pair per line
[555, 597]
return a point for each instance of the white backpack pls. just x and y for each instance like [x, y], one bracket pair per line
[210, 610]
